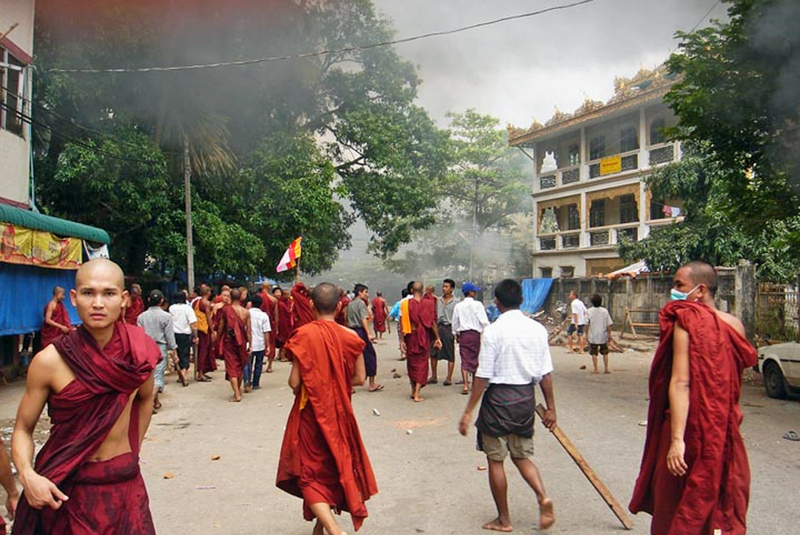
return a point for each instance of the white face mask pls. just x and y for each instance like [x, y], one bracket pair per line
[677, 295]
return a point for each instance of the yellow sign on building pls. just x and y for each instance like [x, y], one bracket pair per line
[611, 165]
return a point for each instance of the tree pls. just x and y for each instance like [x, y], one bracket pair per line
[737, 99]
[299, 135]
[487, 199]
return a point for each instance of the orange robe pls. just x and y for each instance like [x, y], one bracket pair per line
[323, 459]
[303, 313]
[714, 493]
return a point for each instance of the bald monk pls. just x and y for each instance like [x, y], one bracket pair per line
[56, 318]
[417, 318]
[233, 340]
[205, 356]
[695, 477]
[97, 382]
[269, 304]
[323, 459]
[135, 304]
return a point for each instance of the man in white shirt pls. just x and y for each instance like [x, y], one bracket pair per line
[469, 320]
[184, 324]
[514, 357]
[259, 331]
[578, 323]
[599, 333]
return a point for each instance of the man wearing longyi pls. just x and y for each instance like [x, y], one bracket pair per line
[97, 382]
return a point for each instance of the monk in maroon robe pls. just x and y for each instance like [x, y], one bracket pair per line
[205, 355]
[135, 305]
[341, 315]
[233, 340]
[418, 319]
[302, 311]
[323, 459]
[97, 382]
[284, 330]
[695, 477]
[56, 319]
[269, 305]
[379, 315]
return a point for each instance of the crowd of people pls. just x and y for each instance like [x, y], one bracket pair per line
[100, 382]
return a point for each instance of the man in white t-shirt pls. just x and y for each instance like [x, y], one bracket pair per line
[259, 328]
[599, 333]
[184, 325]
[514, 358]
[578, 323]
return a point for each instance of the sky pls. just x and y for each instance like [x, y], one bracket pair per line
[523, 69]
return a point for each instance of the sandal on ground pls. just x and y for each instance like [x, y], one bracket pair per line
[447, 383]
[376, 388]
[792, 435]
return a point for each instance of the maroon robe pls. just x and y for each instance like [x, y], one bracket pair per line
[49, 333]
[341, 316]
[232, 341]
[323, 459]
[418, 342]
[284, 330]
[303, 313]
[107, 497]
[715, 490]
[379, 315]
[268, 307]
[205, 353]
[135, 307]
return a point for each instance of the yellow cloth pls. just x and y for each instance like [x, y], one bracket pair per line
[303, 396]
[405, 317]
[202, 319]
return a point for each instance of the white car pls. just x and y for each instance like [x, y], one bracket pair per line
[780, 366]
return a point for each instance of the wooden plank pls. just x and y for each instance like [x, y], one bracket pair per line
[588, 472]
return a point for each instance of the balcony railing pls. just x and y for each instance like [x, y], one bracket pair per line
[570, 241]
[631, 233]
[629, 161]
[664, 154]
[547, 243]
[599, 237]
[547, 182]
[570, 176]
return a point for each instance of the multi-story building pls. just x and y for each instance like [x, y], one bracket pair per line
[589, 169]
[37, 252]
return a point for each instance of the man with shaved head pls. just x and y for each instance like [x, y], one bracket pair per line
[416, 319]
[135, 305]
[233, 341]
[56, 318]
[323, 459]
[695, 477]
[97, 382]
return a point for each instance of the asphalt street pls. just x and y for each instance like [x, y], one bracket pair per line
[210, 465]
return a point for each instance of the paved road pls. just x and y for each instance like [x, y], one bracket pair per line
[429, 479]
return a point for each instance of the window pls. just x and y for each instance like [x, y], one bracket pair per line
[11, 82]
[628, 211]
[573, 217]
[657, 131]
[567, 272]
[657, 209]
[546, 273]
[574, 154]
[597, 213]
[628, 139]
[597, 147]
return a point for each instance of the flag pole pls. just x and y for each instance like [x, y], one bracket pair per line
[297, 271]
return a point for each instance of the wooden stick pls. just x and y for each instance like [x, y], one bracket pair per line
[588, 472]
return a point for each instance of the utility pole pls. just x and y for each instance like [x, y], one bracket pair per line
[474, 231]
[187, 187]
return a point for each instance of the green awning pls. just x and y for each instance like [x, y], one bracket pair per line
[59, 227]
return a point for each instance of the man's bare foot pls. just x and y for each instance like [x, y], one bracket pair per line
[607, 371]
[235, 399]
[498, 525]
[417, 399]
[547, 516]
[247, 388]
[595, 371]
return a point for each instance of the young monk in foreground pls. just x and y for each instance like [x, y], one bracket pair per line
[323, 459]
[98, 384]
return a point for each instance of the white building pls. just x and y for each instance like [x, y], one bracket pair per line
[589, 170]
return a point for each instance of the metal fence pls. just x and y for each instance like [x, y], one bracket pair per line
[777, 311]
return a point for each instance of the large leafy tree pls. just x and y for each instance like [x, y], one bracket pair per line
[274, 147]
[737, 99]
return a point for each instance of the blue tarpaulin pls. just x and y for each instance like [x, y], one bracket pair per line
[25, 291]
[534, 292]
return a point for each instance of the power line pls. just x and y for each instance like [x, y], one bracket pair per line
[355, 48]
[71, 139]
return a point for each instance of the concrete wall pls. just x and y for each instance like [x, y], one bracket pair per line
[22, 12]
[652, 293]
[14, 155]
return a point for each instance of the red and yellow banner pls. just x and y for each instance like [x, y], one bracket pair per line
[30, 247]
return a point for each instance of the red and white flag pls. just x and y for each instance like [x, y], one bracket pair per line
[291, 255]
